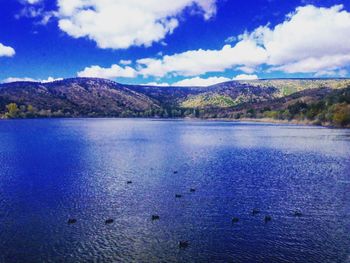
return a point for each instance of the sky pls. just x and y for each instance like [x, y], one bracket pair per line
[178, 42]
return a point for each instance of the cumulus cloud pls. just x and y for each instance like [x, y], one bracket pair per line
[160, 84]
[109, 73]
[246, 77]
[119, 24]
[14, 79]
[311, 39]
[204, 82]
[6, 51]
[332, 73]
[197, 62]
[201, 82]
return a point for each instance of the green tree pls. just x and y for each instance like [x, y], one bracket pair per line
[251, 113]
[12, 110]
[271, 114]
[341, 114]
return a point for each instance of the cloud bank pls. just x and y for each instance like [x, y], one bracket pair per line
[114, 71]
[203, 82]
[14, 79]
[310, 40]
[119, 24]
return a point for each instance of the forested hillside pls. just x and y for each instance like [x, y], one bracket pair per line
[316, 101]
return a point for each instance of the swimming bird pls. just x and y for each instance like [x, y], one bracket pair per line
[109, 221]
[178, 196]
[175, 172]
[72, 221]
[235, 220]
[184, 244]
[129, 182]
[267, 219]
[155, 217]
[297, 213]
[192, 190]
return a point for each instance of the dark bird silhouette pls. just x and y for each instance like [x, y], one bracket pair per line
[192, 190]
[178, 196]
[267, 219]
[297, 213]
[72, 221]
[235, 220]
[184, 244]
[129, 182]
[155, 217]
[109, 221]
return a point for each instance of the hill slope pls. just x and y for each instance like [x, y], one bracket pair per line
[76, 97]
[91, 97]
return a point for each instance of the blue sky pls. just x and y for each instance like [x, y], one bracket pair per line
[185, 42]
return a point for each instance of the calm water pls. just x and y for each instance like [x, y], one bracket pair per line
[53, 170]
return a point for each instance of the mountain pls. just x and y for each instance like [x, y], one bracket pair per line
[76, 97]
[92, 97]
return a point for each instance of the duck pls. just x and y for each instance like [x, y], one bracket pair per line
[297, 213]
[71, 221]
[192, 190]
[155, 217]
[235, 220]
[178, 196]
[184, 244]
[109, 221]
[129, 182]
[267, 219]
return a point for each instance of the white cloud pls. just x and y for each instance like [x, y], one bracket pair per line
[246, 77]
[32, 2]
[109, 73]
[6, 51]
[204, 82]
[310, 40]
[331, 73]
[201, 82]
[38, 13]
[197, 62]
[246, 69]
[14, 79]
[120, 24]
[314, 64]
[161, 84]
[125, 62]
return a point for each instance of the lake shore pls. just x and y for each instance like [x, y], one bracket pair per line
[257, 120]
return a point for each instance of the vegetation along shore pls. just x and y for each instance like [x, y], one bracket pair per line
[307, 101]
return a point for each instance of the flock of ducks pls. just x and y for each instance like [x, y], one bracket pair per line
[185, 243]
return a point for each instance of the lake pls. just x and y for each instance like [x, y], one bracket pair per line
[60, 169]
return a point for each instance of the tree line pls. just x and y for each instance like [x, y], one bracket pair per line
[333, 110]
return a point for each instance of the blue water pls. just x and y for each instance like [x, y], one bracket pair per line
[53, 170]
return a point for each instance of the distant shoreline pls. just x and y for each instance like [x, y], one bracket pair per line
[275, 121]
[252, 120]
